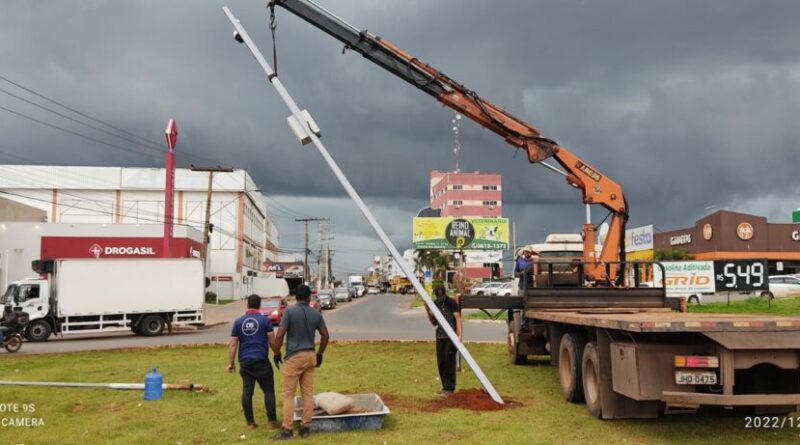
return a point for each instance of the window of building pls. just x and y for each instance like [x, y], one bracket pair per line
[490, 203]
[458, 187]
[489, 187]
[457, 203]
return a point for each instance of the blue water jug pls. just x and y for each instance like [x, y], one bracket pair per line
[152, 385]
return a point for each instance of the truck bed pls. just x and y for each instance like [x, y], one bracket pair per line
[664, 320]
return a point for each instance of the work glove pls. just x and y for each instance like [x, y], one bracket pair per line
[319, 360]
[278, 359]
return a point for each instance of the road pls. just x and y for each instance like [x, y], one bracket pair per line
[372, 317]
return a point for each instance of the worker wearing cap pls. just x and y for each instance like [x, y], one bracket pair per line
[524, 269]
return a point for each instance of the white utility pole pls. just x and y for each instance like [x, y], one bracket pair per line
[310, 130]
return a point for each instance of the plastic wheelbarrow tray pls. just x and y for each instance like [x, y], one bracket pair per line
[369, 415]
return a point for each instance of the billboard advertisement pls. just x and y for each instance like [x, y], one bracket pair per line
[639, 238]
[685, 277]
[460, 233]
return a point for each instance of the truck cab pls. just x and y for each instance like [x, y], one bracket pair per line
[31, 295]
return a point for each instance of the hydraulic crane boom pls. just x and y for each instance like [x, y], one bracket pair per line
[595, 187]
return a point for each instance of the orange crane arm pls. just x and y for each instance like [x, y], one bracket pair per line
[596, 188]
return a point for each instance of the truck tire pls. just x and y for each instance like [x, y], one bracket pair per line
[570, 359]
[693, 299]
[591, 379]
[767, 296]
[514, 326]
[151, 325]
[38, 331]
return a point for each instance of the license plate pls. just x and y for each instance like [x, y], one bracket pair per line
[695, 378]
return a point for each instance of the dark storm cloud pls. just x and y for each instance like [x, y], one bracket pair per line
[686, 104]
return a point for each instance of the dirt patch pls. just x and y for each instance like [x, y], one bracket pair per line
[468, 399]
[77, 407]
[406, 403]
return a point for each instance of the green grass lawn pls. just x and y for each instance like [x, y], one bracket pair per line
[403, 372]
[787, 307]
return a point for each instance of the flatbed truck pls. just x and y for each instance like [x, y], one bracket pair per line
[627, 355]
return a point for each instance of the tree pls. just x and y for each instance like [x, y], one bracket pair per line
[672, 255]
[433, 260]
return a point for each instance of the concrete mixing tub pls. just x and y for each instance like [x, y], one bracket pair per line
[371, 419]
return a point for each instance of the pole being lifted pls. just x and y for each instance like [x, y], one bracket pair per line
[308, 132]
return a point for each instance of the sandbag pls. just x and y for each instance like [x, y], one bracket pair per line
[334, 403]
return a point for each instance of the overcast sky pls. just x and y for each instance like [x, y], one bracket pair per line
[688, 105]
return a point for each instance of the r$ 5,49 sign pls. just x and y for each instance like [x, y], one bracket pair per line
[741, 275]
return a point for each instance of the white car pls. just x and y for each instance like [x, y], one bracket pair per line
[485, 288]
[783, 286]
[504, 290]
[373, 290]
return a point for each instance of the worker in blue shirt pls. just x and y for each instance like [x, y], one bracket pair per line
[523, 269]
[252, 335]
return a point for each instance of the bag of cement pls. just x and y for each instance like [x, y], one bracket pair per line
[334, 403]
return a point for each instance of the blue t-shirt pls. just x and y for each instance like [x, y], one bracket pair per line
[252, 329]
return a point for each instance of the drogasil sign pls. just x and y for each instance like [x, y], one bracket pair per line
[97, 250]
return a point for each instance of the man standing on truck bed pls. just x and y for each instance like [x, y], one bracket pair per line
[445, 349]
[523, 269]
[299, 324]
[252, 334]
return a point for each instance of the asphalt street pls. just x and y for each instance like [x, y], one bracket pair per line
[372, 317]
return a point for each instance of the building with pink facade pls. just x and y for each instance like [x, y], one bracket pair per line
[467, 194]
[471, 194]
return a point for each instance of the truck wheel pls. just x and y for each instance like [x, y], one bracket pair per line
[38, 331]
[570, 355]
[151, 326]
[513, 346]
[13, 343]
[767, 296]
[693, 299]
[591, 379]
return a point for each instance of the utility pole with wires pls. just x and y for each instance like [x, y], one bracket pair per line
[305, 244]
[207, 221]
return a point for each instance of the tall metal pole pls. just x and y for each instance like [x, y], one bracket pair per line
[287, 99]
[171, 136]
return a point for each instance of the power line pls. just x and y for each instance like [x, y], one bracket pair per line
[93, 127]
[75, 133]
[78, 112]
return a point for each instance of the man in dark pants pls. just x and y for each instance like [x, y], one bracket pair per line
[251, 335]
[445, 349]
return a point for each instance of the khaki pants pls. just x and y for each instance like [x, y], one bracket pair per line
[299, 368]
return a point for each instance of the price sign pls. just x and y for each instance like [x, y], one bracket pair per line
[741, 275]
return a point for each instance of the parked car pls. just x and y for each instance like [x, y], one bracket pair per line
[353, 292]
[504, 290]
[326, 299]
[485, 288]
[273, 308]
[782, 286]
[342, 294]
[361, 290]
[373, 290]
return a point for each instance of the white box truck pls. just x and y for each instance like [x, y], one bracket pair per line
[81, 296]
